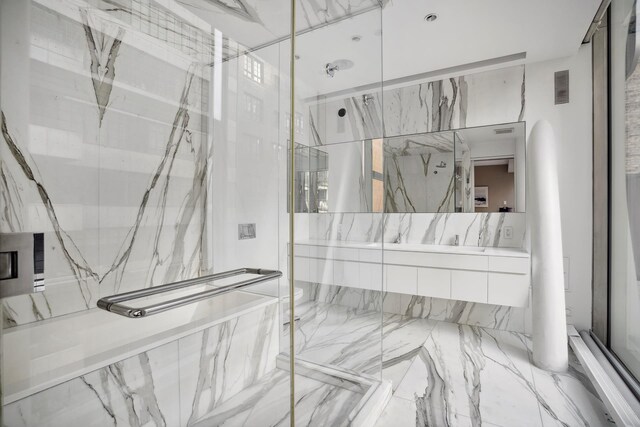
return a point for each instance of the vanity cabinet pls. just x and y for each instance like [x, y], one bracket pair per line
[469, 285]
[497, 276]
[434, 282]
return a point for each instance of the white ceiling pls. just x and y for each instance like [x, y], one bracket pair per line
[396, 42]
[465, 32]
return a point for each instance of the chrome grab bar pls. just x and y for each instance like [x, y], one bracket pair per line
[114, 304]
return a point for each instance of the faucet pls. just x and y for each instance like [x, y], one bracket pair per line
[456, 240]
[398, 238]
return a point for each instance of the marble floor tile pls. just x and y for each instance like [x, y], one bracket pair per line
[354, 339]
[267, 404]
[569, 399]
[403, 412]
[466, 375]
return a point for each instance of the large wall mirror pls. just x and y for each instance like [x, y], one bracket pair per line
[479, 169]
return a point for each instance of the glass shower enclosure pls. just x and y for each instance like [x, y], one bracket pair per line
[167, 174]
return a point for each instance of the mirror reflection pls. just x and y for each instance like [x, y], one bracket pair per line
[490, 168]
[479, 169]
[419, 173]
[346, 177]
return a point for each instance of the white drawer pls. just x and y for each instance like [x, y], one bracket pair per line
[509, 289]
[370, 255]
[319, 252]
[301, 269]
[403, 280]
[370, 276]
[345, 254]
[302, 250]
[321, 271]
[425, 259]
[346, 273]
[469, 286]
[502, 264]
[434, 282]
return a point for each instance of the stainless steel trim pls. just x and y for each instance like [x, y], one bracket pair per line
[597, 21]
[630, 381]
[600, 191]
[114, 303]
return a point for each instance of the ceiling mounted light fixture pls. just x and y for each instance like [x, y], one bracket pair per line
[356, 38]
[431, 17]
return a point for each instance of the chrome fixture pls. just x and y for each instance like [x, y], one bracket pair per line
[366, 98]
[431, 17]
[442, 164]
[339, 65]
[456, 240]
[114, 303]
[21, 263]
[331, 69]
[502, 131]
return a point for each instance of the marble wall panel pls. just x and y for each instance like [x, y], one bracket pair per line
[171, 385]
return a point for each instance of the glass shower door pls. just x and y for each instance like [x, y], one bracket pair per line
[338, 215]
[143, 144]
[624, 245]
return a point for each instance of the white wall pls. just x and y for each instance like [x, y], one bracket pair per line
[572, 124]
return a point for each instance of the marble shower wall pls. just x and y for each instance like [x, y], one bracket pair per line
[481, 229]
[176, 384]
[491, 97]
[106, 154]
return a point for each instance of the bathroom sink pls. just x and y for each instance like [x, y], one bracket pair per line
[418, 247]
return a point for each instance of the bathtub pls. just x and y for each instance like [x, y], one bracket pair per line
[41, 355]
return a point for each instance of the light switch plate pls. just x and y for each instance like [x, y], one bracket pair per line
[508, 232]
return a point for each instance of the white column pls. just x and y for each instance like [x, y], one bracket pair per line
[550, 350]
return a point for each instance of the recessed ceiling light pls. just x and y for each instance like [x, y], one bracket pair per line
[356, 38]
[431, 17]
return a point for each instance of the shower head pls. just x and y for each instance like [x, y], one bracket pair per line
[339, 65]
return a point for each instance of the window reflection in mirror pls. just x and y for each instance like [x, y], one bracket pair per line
[311, 180]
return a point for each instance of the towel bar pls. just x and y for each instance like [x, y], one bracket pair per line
[114, 303]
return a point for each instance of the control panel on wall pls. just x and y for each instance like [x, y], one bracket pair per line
[21, 263]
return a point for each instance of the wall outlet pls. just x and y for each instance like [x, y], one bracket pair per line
[508, 232]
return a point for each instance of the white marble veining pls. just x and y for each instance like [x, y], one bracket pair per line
[473, 229]
[498, 317]
[431, 106]
[455, 103]
[362, 120]
[266, 403]
[474, 376]
[173, 383]
[351, 339]
[120, 210]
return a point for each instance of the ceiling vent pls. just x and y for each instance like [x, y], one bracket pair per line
[561, 87]
[503, 131]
